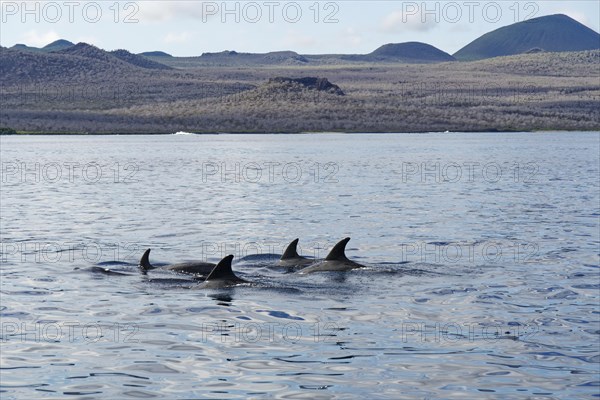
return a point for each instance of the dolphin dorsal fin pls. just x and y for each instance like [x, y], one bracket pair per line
[338, 251]
[222, 270]
[291, 251]
[145, 262]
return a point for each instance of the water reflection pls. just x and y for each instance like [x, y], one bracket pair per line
[222, 298]
[476, 287]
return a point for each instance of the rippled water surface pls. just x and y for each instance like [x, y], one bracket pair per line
[483, 256]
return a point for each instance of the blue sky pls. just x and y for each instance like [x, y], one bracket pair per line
[188, 28]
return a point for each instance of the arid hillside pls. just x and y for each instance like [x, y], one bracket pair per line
[83, 89]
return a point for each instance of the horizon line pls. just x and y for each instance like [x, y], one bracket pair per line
[288, 50]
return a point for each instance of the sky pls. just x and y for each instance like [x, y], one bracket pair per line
[190, 28]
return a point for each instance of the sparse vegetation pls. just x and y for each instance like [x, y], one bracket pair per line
[87, 90]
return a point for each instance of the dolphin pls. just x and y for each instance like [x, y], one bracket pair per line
[336, 260]
[222, 276]
[291, 258]
[100, 270]
[192, 268]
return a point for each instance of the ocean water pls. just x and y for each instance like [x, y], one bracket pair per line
[483, 276]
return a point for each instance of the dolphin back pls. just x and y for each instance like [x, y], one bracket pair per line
[223, 270]
[291, 251]
[145, 261]
[338, 251]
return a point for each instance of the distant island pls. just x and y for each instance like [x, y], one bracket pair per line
[539, 74]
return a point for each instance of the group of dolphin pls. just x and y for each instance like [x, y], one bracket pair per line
[221, 275]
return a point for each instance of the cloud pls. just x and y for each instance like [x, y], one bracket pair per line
[294, 40]
[173, 37]
[33, 38]
[398, 21]
[169, 10]
[351, 37]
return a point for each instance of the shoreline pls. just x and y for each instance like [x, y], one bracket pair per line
[283, 133]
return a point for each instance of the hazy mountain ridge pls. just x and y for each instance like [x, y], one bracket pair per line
[80, 60]
[138, 60]
[410, 51]
[82, 88]
[552, 33]
[23, 67]
[228, 57]
[88, 51]
[155, 54]
[57, 45]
